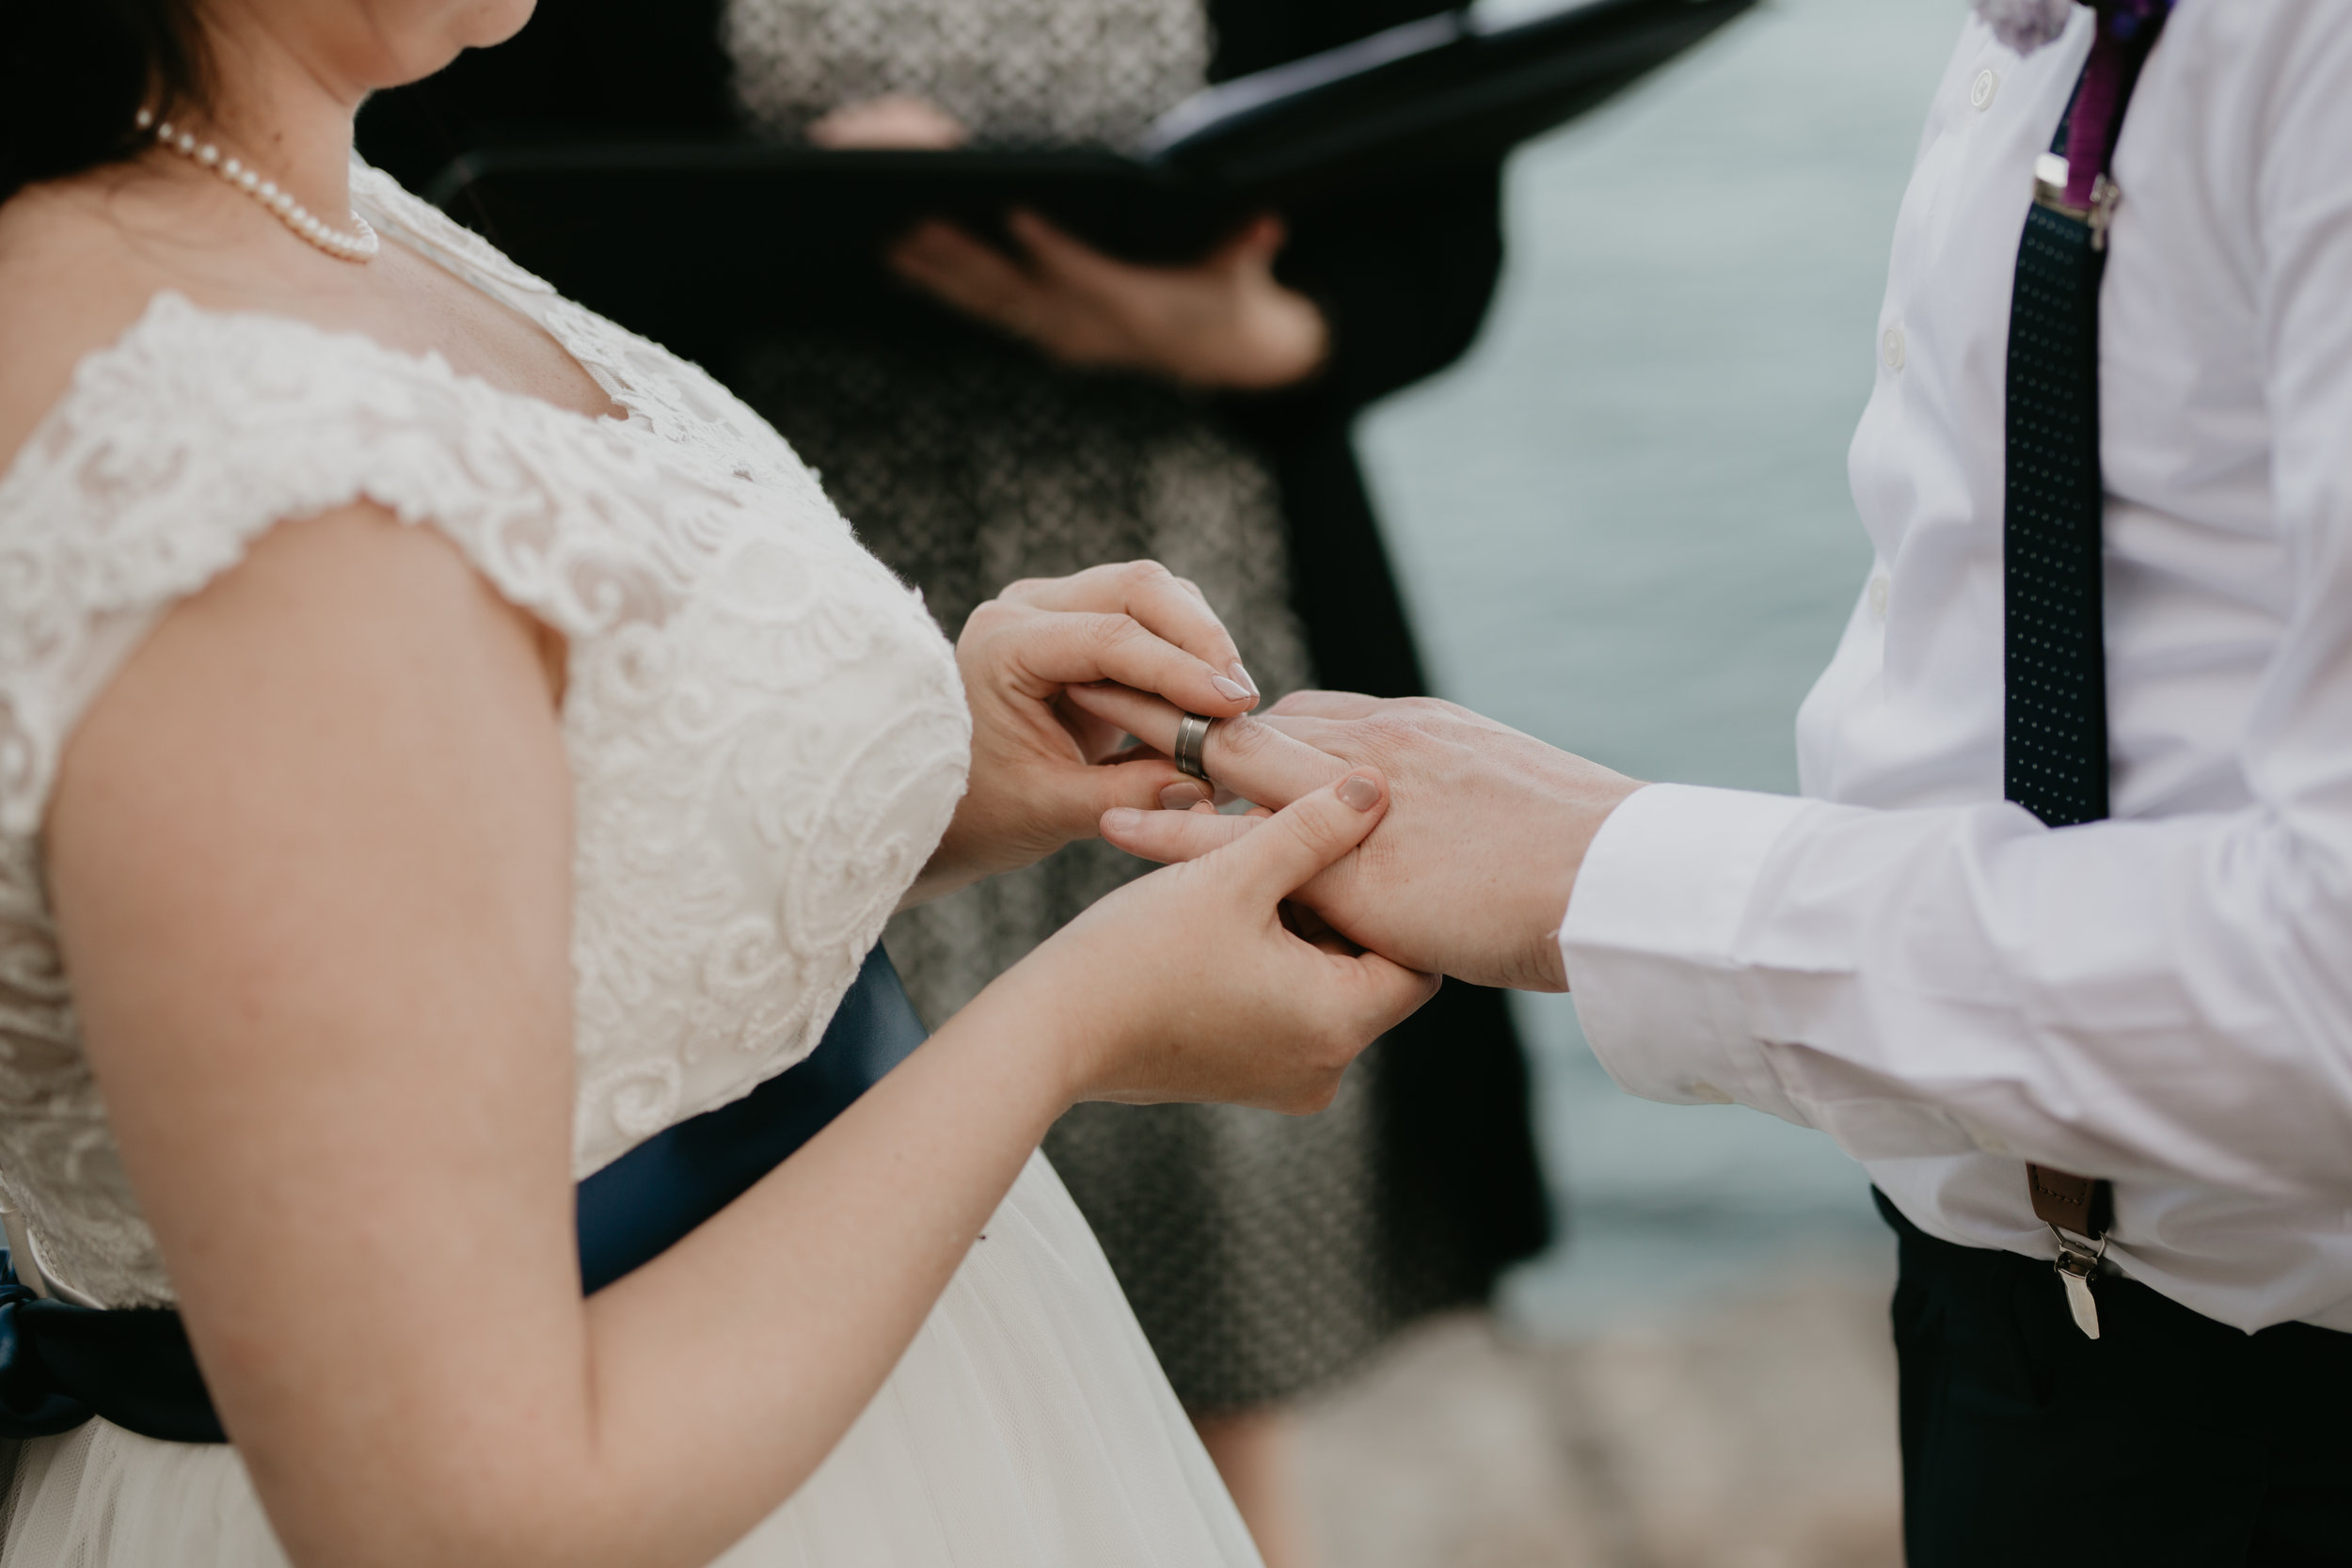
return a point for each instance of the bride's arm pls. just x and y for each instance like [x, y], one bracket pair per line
[310, 857]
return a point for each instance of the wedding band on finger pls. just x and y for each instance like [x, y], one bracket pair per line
[1192, 742]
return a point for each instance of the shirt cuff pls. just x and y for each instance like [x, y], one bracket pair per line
[1651, 941]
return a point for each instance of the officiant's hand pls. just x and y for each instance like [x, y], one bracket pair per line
[1223, 322]
[1044, 771]
[1471, 872]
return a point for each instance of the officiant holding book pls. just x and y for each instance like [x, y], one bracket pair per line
[1026, 405]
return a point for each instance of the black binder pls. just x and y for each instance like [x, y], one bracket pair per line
[692, 242]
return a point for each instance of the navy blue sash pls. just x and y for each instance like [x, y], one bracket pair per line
[62, 1364]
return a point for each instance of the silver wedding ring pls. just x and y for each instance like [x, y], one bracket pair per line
[1192, 740]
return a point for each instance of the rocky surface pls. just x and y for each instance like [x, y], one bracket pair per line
[1758, 1432]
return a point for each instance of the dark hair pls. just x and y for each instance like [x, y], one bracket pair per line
[74, 73]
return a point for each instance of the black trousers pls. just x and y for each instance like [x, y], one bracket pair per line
[2172, 1441]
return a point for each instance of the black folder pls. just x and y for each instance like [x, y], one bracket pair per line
[695, 242]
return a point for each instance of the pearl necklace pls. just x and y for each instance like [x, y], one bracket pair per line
[359, 243]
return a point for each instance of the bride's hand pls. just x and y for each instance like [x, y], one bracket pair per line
[1044, 771]
[1195, 982]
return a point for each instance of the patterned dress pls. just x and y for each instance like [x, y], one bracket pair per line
[1251, 1243]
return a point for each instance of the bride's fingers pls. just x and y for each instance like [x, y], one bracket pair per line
[1278, 853]
[1151, 719]
[1256, 761]
[1281, 853]
[1079, 648]
[1165, 604]
[1097, 739]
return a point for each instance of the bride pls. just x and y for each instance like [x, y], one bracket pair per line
[446, 742]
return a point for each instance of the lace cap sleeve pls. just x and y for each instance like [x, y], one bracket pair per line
[197, 432]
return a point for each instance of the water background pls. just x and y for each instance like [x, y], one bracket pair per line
[1624, 525]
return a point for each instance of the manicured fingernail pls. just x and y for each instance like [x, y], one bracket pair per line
[1242, 675]
[1122, 819]
[1359, 792]
[1232, 692]
[1182, 797]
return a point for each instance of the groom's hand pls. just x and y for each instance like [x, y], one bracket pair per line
[1470, 871]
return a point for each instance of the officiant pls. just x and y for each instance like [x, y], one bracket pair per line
[1003, 416]
[2059, 941]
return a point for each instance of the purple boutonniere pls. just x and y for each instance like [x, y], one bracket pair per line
[2025, 25]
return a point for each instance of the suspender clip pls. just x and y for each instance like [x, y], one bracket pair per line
[2050, 173]
[2105, 195]
[2078, 1261]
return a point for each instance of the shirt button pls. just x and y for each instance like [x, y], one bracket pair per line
[1981, 91]
[1894, 348]
[1878, 598]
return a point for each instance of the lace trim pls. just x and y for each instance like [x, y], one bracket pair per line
[767, 732]
[671, 396]
[145, 482]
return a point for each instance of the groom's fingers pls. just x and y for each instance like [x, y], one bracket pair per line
[1171, 836]
[1255, 760]
[1326, 705]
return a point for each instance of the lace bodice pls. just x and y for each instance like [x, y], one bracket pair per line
[765, 731]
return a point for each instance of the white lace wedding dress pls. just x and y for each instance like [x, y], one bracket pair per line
[767, 736]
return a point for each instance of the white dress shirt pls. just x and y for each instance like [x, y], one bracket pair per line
[1927, 973]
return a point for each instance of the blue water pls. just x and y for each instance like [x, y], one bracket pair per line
[1624, 527]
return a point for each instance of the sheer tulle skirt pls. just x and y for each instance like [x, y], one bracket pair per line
[1029, 1426]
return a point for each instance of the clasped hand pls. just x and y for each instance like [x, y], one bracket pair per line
[1190, 983]
[1469, 872]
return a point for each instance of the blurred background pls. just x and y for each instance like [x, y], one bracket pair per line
[1624, 525]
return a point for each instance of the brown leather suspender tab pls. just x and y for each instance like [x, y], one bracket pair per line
[2075, 1210]
[2076, 1203]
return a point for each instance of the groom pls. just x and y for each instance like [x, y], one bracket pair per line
[2059, 941]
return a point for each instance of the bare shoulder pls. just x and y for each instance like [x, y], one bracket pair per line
[69, 283]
